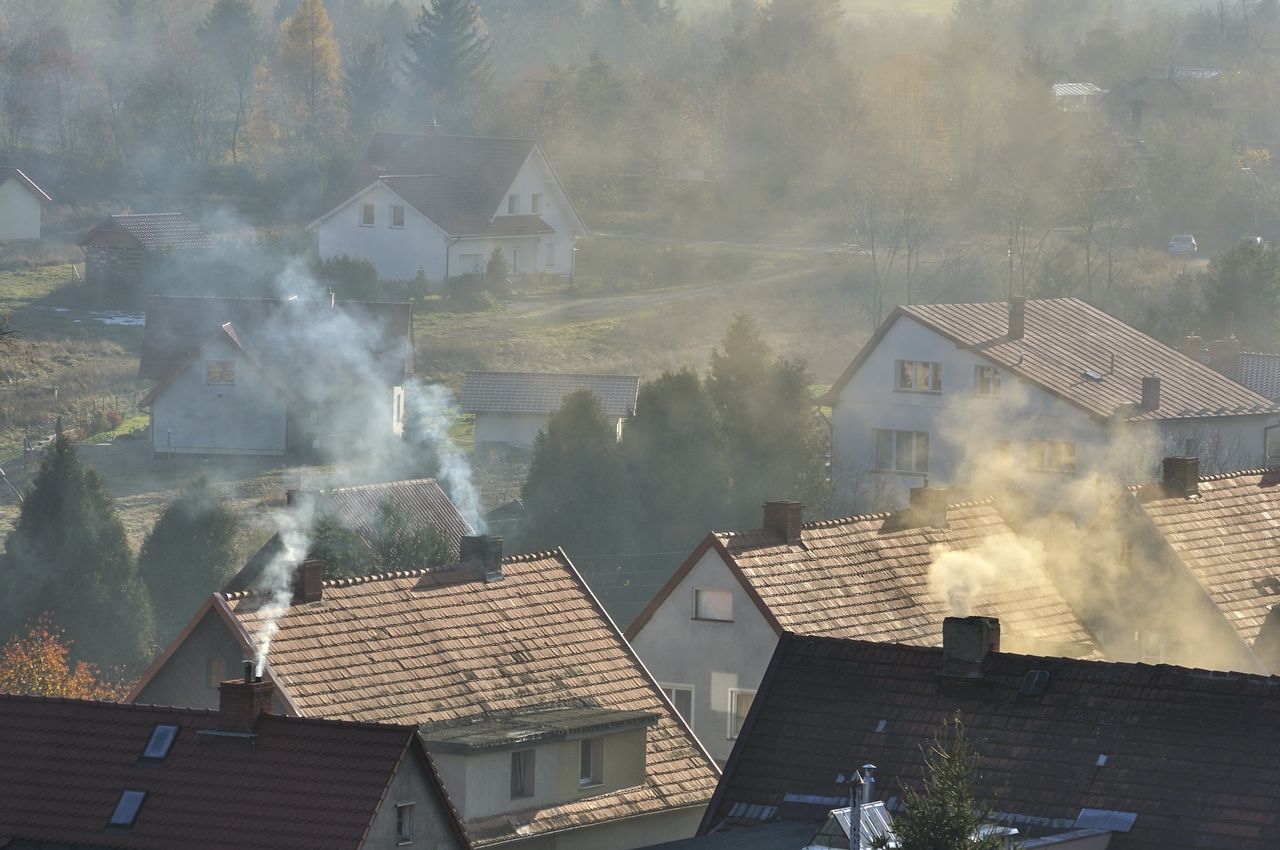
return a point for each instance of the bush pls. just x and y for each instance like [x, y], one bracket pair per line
[353, 278]
[114, 418]
[467, 292]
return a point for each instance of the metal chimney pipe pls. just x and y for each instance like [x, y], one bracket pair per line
[248, 672]
[868, 784]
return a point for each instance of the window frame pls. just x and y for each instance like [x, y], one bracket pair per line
[228, 365]
[993, 378]
[697, 609]
[513, 205]
[368, 215]
[215, 672]
[535, 203]
[1051, 456]
[527, 759]
[593, 748]
[895, 439]
[731, 733]
[117, 819]
[160, 742]
[404, 823]
[391, 217]
[932, 371]
[675, 686]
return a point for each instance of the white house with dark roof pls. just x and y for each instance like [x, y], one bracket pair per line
[512, 407]
[21, 205]
[440, 204]
[1032, 393]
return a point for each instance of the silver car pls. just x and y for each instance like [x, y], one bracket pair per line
[1182, 244]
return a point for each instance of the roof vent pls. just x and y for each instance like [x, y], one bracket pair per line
[1017, 317]
[1034, 683]
[784, 519]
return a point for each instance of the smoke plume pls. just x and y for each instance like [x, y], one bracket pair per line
[961, 575]
[294, 529]
[435, 410]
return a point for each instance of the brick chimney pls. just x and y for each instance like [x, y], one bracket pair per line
[1223, 354]
[308, 582]
[1150, 392]
[1193, 347]
[1181, 478]
[483, 552]
[966, 643]
[241, 701]
[928, 506]
[783, 519]
[1017, 317]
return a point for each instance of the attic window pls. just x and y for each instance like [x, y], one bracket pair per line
[535, 203]
[397, 216]
[366, 215]
[220, 372]
[513, 204]
[161, 740]
[126, 811]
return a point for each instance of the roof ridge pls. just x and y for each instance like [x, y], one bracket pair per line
[132, 706]
[1217, 476]
[556, 374]
[852, 518]
[371, 485]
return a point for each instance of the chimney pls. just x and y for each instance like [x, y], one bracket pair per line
[1193, 347]
[333, 297]
[1181, 477]
[290, 497]
[241, 701]
[928, 506]
[868, 785]
[308, 582]
[1223, 354]
[784, 519]
[966, 642]
[484, 552]
[1017, 317]
[1151, 392]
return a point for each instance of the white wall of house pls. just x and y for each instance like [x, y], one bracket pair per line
[470, 256]
[397, 253]
[427, 815]
[518, 429]
[193, 416]
[712, 657]
[554, 251]
[20, 211]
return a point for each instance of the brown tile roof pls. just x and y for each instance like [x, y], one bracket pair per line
[1193, 754]
[300, 783]
[868, 577]
[156, 231]
[544, 392]
[178, 327]
[442, 645]
[1066, 338]
[9, 172]
[441, 200]
[1229, 539]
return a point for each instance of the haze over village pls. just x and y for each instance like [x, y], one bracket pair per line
[639, 424]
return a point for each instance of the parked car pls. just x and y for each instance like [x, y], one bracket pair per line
[1182, 244]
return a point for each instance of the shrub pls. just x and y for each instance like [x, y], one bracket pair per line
[353, 278]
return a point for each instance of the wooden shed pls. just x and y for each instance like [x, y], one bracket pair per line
[118, 251]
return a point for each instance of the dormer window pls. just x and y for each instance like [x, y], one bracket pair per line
[513, 204]
[126, 811]
[161, 740]
[522, 762]
[590, 762]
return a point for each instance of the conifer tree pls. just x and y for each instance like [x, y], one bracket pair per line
[448, 58]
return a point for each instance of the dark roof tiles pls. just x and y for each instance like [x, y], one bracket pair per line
[156, 231]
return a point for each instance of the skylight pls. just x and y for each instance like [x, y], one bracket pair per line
[161, 740]
[127, 809]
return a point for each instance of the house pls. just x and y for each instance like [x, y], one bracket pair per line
[1256, 370]
[21, 205]
[1077, 97]
[512, 407]
[1042, 396]
[358, 508]
[547, 730]
[123, 253]
[1091, 754]
[438, 205]
[260, 376]
[81, 774]
[708, 632]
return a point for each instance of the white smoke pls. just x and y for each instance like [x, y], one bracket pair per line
[436, 410]
[962, 575]
[293, 526]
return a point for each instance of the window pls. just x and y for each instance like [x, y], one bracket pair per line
[1052, 455]
[161, 740]
[681, 697]
[522, 773]
[404, 823]
[220, 372]
[986, 380]
[713, 605]
[126, 811]
[366, 215]
[902, 451]
[535, 203]
[513, 204]
[590, 762]
[739, 705]
[919, 377]
[397, 215]
[215, 672]
[551, 254]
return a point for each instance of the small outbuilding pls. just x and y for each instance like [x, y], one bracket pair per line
[120, 252]
[512, 407]
[21, 205]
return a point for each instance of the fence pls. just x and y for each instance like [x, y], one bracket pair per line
[78, 420]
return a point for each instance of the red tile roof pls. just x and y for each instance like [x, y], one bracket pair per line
[544, 392]
[9, 172]
[429, 646]
[156, 231]
[868, 577]
[1229, 539]
[300, 783]
[1066, 338]
[1192, 753]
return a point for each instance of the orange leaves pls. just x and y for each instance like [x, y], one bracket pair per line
[38, 663]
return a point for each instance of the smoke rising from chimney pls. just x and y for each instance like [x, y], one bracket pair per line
[961, 575]
[293, 526]
[435, 410]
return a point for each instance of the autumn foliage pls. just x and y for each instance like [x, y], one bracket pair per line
[37, 663]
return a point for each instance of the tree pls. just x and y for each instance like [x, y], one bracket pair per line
[368, 84]
[310, 72]
[230, 32]
[68, 554]
[945, 812]
[496, 271]
[448, 58]
[396, 543]
[189, 553]
[1242, 291]
[38, 664]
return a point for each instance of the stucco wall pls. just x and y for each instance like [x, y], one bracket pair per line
[713, 657]
[193, 417]
[19, 212]
[397, 253]
[429, 819]
[536, 176]
[182, 680]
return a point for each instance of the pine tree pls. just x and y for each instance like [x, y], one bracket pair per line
[188, 555]
[230, 34]
[448, 58]
[68, 555]
[368, 84]
[310, 72]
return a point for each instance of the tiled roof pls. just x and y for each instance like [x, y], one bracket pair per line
[439, 199]
[444, 645]
[157, 231]
[299, 784]
[271, 329]
[479, 169]
[1193, 754]
[544, 392]
[1068, 349]
[1229, 538]
[869, 577]
[1257, 371]
[9, 172]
